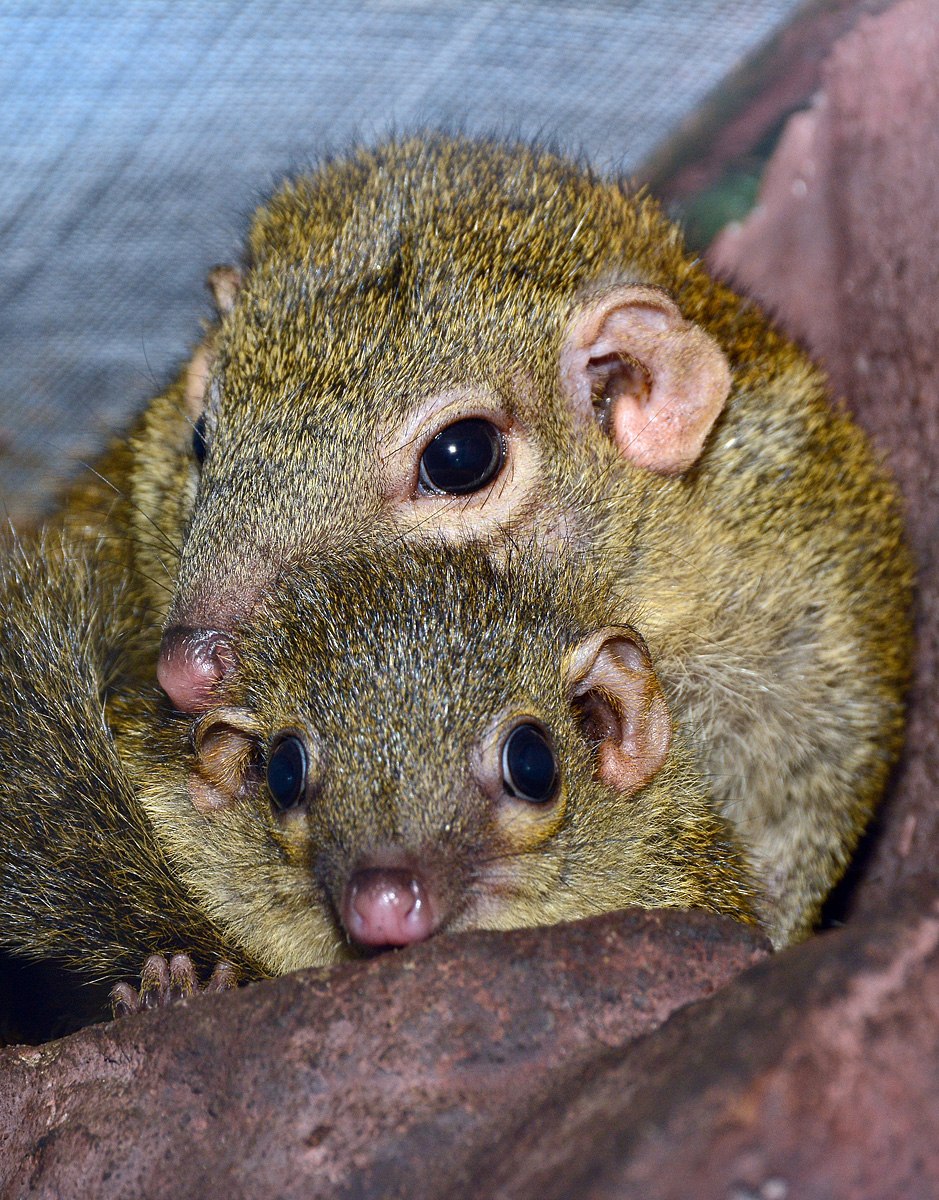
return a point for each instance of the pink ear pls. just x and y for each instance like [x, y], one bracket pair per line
[224, 283]
[621, 706]
[196, 380]
[656, 381]
[225, 741]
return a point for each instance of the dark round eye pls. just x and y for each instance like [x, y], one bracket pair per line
[529, 768]
[286, 773]
[198, 440]
[462, 458]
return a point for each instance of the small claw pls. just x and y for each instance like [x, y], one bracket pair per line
[183, 978]
[155, 982]
[125, 1000]
[165, 982]
[223, 979]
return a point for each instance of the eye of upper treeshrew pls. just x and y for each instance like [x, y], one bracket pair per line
[462, 458]
[199, 446]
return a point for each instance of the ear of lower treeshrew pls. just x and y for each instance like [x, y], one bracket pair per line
[655, 381]
[621, 708]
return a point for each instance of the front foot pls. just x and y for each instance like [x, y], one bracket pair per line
[163, 983]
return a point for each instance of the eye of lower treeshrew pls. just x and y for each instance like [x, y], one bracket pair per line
[529, 767]
[287, 772]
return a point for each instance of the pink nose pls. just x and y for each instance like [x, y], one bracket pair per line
[387, 907]
[191, 663]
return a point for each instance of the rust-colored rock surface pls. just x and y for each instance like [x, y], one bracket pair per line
[814, 1076]
[375, 1079]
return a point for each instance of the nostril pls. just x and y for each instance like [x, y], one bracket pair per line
[387, 907]
[191, 663]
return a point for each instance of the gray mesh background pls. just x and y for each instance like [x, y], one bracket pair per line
[136, 137]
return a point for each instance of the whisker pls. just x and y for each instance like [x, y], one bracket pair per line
[122, 495]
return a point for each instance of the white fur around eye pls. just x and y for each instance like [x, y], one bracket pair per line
[494, 505]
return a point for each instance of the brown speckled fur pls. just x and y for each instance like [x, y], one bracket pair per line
[770, 580]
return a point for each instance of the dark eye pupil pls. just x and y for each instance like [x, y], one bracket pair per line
[462, 458]
[198, 440]
[529, 768]
[286, 773]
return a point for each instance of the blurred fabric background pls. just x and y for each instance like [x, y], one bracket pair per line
[136, 138]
